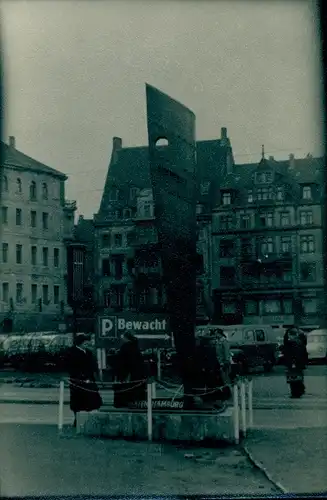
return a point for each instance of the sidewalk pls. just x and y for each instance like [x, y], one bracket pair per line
[36, 461]
[295, 458]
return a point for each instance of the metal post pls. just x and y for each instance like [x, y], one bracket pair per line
[159, 364]
[149, 392]
[74, 322]
[99, 358]
[61, 405]
[154, 390]
[236, 415]
[243, 408]
[250, 402]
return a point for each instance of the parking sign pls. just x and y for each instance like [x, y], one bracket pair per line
[108, 327]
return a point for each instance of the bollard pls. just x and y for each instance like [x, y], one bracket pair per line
[154, 390]
[159, 364]
[236, 415]
[250, 402]
[61, 405]
[99, 358]
[149, 393]
[243, 407]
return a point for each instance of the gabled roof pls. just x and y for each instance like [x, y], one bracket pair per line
[11, 157]
[129, 167]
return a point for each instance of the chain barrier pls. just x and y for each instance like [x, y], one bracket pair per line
[137, 384]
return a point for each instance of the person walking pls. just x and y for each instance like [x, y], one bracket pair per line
[296, 358]
[130, 369]
[83, 370]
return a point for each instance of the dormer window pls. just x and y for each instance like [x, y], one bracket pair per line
[127, 213]
[133, 193]
[226, 199]
[250, 196]
[33, 190]
[199, 209]
[263, 177]
[113, 195]
[204, 188]
[306, 193]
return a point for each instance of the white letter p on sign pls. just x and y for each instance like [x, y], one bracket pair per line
[106, 327]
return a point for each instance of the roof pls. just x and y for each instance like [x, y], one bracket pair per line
[14, 158]
[130, 167]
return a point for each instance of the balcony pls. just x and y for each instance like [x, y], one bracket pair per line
[268, 258]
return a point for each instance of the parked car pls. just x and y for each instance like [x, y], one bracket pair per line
[239, 364]
[317, 346]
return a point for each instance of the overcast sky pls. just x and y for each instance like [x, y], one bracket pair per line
[75, 76]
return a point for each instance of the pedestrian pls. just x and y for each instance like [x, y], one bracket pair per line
[295, 355]
[83, 370]
[130, 368]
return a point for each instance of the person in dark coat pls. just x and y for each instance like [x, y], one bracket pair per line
[82, 368]
[294, 348]
[130, 368]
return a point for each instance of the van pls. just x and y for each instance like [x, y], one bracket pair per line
[258, 343]
[317, 346]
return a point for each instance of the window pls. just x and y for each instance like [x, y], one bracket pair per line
[264, 194]
[263, 177]
[118, 240]
[45, 255]
[130, 239]
[5, 292]
[19, 292]
[4, 252]
[251, 307]
[199, 209]
[286, 244]
[306, 193]
[106, 298]
[285, 219]
[246, 248]
[4, 215]
[272, 307]
[18, 216]
[133, 193]
[19, 254]
[227, 276]
[45, 220]
[34, 293]
[226, 199]
[306, 218]
[127, 213]
[118, 266]
[131, 298]
[259, 335]
[307, 244]
[309, 306]
[245, 221]
[44, 191]
[5, 183]
[226, 248]
[113, 195]
[266, 220]
[33, 191]
[19, 186]
[287, 305]
[154, 298]
[267, 246]
[204, 188]
[105, 267]
[33, 218]
[33, 255]
[308, 271]
[106, 240]
[147, 212]
[287, 274]
[226, 222]
[250, 196]
[117, 296]
[229, 307]
[56, 295]
[56, 257]
[45, 294]
[280, 193]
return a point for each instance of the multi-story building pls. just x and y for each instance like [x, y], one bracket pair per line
[128, 275]
[267, 236]
[36, 222]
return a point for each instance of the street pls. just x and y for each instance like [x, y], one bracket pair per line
[285, 432]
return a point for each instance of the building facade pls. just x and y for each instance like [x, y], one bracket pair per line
[128, 268]
[267, 236]
[36, 224]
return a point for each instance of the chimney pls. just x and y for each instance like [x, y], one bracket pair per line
[223, 133]
[117, 143]
[271, 158]
[291, 161]
[12, 142]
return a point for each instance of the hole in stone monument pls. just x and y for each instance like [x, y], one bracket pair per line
[162, 141]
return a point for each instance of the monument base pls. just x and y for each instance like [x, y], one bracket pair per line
[180, 426]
